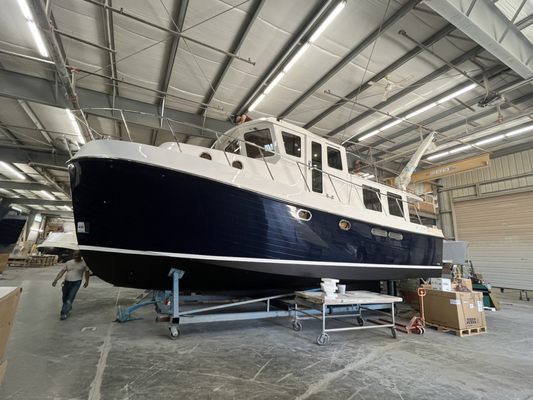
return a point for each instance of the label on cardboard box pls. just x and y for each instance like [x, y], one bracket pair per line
[480, 306]
[471, 306]
[455, 301]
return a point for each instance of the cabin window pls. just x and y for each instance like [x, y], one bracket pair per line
[233, 147]
[293, 144]
[262, 139]
[395, 204]
[316, 163]
[371, 198]
[334, 158]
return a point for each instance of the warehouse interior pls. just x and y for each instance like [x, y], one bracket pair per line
[429, 102]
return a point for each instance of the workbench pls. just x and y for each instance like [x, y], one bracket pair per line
[353, 301]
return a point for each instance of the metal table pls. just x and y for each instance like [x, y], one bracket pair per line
[358, 300]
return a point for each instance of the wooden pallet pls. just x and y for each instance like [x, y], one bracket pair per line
[458, 332]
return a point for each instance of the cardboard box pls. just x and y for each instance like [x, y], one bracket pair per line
[9, 299]
[455, 310]
[443, 284]
[467, 283]
[4, 257]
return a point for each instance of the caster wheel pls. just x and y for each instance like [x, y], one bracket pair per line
[393, 332]
[360, 321]
[174, 332]
[297, 326]
[322, 339]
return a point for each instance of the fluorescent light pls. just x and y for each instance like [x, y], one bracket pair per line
[256, 102]
[25, 9]
[438, 155]
[420, 110]
[67, 208]
[489, 140]
[296, 57]
[75, 125]
[12, 170]
[26, 12]
[274, 82]
[36, 230]
[38, 39]
[48, 194]
[369, 176]
[462, 148]
[390, 125]
[457, 93]
[369, 135]
[327, 21]
[519, 131]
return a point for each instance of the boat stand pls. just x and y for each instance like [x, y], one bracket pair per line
[167, 306]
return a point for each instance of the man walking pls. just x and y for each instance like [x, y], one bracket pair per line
[75, 269]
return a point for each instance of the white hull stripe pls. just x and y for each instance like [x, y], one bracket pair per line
[253, 260]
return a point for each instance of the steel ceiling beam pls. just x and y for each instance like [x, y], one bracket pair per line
[31, 88]
[490, 28]
[22, 185]
[18, 155]
[38, 202]
[381, 74]
[57, 55]
[319, 12]
[380, 30]
[168, 66]
[109, 34]
[235, 47]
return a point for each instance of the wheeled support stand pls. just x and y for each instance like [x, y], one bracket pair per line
[167, 306]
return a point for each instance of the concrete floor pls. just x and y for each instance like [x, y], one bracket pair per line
[90, 357]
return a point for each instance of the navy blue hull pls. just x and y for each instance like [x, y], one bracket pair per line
[10, 228]
[214, 230]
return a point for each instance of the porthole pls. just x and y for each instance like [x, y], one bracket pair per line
[205, 155]
[395, 235]
[345, 225]
[379, 232]
[236, 164]
[304, 215]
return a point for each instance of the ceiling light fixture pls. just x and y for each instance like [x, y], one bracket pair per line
[327, 21]
[457, 93]
[481, 142]
[13, 170]
[75, 125]
[489, 140]
[274, 82]
[48, 194]
[33, 28]
[304, 47]
[16, 208]
[412, 114]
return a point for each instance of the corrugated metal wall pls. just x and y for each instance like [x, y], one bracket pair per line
[499, 231]
[513, 172]
[493, 210]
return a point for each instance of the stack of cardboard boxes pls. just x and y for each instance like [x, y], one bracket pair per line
[9, 299]
[454, 306]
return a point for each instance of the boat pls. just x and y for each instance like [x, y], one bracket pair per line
[11, 225]
[269, 205]
[61, 244]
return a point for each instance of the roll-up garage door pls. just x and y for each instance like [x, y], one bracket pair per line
[500, 233]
